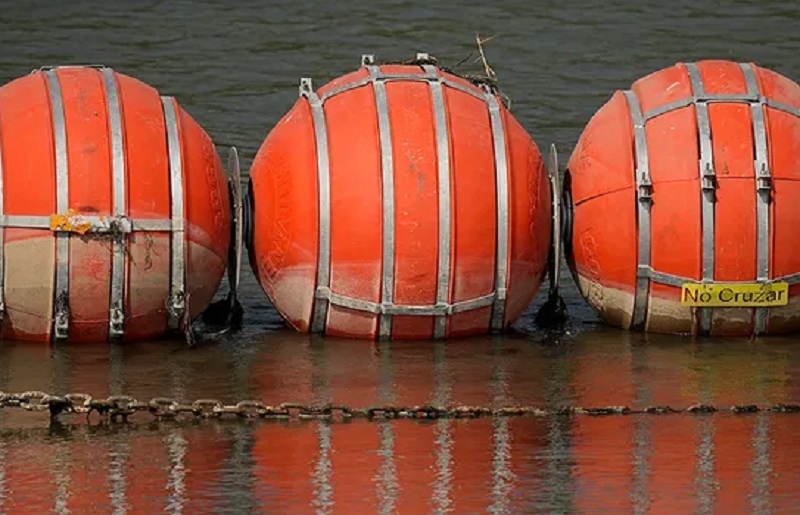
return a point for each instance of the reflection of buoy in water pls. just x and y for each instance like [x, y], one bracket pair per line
[115, 209]
[691, 177]
[399, 201]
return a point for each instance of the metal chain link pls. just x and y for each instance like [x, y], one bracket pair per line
[117, 408]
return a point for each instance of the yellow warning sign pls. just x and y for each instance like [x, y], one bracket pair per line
[734, 295]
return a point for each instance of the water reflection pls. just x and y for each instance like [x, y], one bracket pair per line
[677, 462]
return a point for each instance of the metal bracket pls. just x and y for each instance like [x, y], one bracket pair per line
[555, 190]
[306, 87]
[645, 189]
[367, 59]
[51, 67]
[709, 178]
[176, 305]
[116, 323]
[61, 322]
[764, 180]
[235, 180]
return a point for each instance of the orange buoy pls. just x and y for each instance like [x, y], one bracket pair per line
[686, 202]
[399, 201]
[115, 210]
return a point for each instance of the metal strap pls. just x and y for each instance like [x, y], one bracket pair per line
[438, 310]
[387, 181]
[707, 99]
[61, 293]
[666, 108]
[782, 107]
[177, 295]
[790, 279]
[443, 177]
[763, 181]
[393, 77]
[708, 186]
[99, 224]
[501, 181]
[644, 202]
[320, 315]
[678, 281]
[116, 309]
[662, 278]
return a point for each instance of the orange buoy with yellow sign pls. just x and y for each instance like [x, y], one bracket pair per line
[686, 201]
[399, 201]
[114, 208]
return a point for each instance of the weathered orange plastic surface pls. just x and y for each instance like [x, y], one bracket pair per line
[147, 182]
[285, 242]
[530, 211]
[207, 211]
[356, 209]
[90, 193]
[416, 194]
[27, 140]
[473, 221]
[605, 238]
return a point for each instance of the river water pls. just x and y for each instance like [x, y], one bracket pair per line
[235, 67]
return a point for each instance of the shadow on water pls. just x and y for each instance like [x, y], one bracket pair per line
[681, 462]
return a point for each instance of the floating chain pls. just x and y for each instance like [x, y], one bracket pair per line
[117, 408]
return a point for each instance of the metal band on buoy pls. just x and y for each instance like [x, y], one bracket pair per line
[116, 310]
[763, 188]
[644, 202]
[61, 293]
[321, 298]
[444, 203]
[387, 189]
[386, 308]
[501, 187]
[707, 185]
[177, 296]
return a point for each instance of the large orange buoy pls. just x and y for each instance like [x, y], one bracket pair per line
[399, 201]
[115, 210]
[686, 202]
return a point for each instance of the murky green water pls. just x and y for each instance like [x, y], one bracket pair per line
[235, 67]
